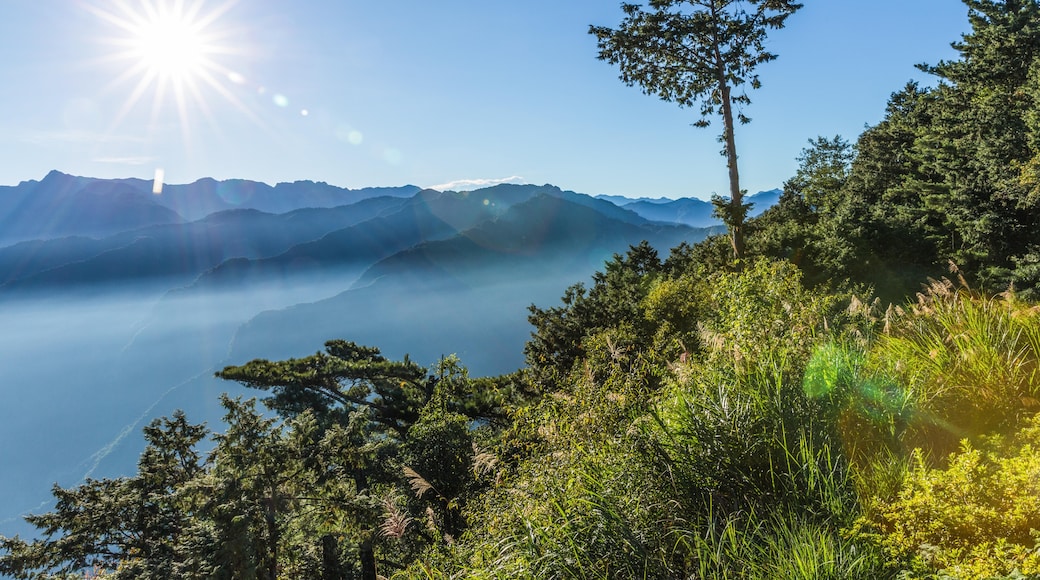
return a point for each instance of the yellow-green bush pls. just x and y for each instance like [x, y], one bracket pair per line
[759, 317]
[977, 518]
[674, 306]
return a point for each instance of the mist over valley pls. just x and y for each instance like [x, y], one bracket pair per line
[118, 304]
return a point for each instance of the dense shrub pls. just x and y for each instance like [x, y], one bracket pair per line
[979, 517]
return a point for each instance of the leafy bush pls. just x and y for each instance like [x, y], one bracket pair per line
[977, 518]
[763, 313]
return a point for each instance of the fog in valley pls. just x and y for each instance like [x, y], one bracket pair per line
[84, 374]
[103, 333]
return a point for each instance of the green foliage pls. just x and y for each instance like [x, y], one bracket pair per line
[575, 504]
[615, 299]
[976, 518]
[739, 427]
[868, 411]
[945, 176]
[319, 492]
[674, 306]
[335, 383]
[135, 525]
[763, 314]
[752, 548]
[965, 365]
[797, 550]
[621, 479]
[814, 224]
[949, 174]
[724, 44]
[439, 455]
[823, 170]
[736, 425]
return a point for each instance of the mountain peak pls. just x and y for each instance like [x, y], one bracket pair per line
[55, 174]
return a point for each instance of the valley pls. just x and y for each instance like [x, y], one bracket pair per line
[108, 323]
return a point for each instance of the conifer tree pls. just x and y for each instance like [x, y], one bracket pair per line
[699, 53]
[134, 524]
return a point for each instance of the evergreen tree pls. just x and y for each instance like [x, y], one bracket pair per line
[613, 300]
[699, 53]
[949, 174]
[979, 143]
[338, 382]
[380, 427]
[816, 224]
[135, 525]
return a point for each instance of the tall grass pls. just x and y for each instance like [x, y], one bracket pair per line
[780, 544]
[968, 365]
[793, 548]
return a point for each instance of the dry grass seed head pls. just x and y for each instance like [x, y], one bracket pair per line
[483, 462]
[418, 484]
[395, 520]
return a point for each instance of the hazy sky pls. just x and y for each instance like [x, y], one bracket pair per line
[362, 93]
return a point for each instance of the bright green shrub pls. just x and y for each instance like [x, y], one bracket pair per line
[674, 306]
[977, 518]
[763, 314]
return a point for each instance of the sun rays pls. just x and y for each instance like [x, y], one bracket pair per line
[173, 51]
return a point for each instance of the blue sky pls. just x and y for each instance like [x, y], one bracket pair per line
[363, 93]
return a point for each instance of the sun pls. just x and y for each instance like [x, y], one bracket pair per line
[173, 50]
[171, 46]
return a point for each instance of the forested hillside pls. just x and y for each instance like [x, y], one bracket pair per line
[857, 397]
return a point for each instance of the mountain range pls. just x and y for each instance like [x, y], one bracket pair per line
[62, 205]
[118, 304]
[689, 211]
[331, 251]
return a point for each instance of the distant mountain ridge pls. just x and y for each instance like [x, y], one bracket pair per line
[690, 211]
[176, 252]
[621, 200]
[470, 290]
[63, 205]
[83, 232]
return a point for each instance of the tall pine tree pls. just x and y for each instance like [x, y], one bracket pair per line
[699, 53]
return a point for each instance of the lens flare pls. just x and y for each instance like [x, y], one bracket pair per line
[157, 182]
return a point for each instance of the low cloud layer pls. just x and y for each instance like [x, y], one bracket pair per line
[469, 184]
[141, 160]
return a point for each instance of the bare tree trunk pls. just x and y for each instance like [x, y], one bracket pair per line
[273, 535]
[368, 560]
[330, 565]
[735, 217]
